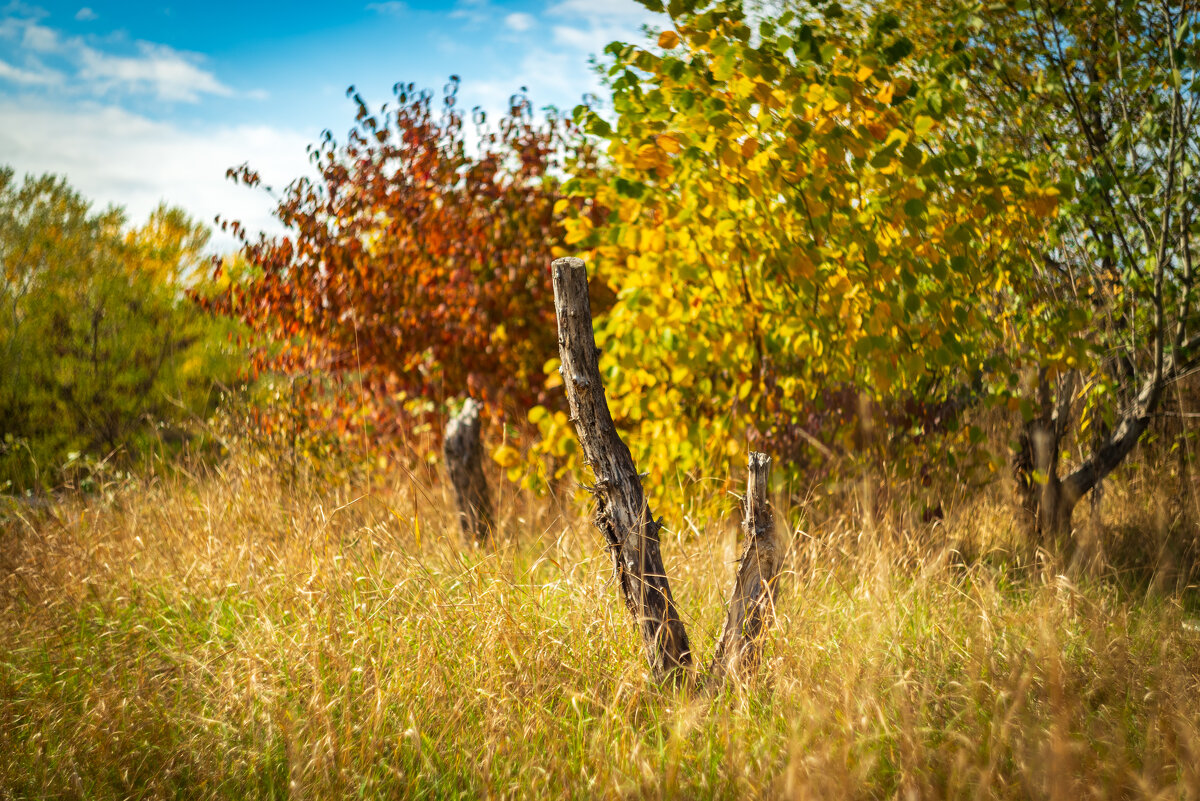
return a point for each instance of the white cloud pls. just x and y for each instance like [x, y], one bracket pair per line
[586, 27]
[519, 22]
[475, 12]
[154, 69]
[157, 69]
[627, 10]
[589, 41]
[556, 66]
[393, 8]
[85, 14]
[39, 38]
[114, 156]
[29, 77]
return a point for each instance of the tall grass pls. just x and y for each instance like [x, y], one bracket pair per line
[244, 633]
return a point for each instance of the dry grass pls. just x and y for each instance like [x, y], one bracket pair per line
[232, 636]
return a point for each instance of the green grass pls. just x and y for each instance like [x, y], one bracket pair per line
[226, 636]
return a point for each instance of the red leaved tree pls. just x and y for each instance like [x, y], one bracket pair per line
[417, 264]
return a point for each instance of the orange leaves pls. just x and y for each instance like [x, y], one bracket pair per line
[418, 263]
[668, 143]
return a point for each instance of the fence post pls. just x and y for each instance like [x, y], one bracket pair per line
[464, 463]
[752, 604]
[622, 513]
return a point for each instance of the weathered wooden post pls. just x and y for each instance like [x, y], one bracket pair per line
[622, 513]
[752, 604]
[464, 464]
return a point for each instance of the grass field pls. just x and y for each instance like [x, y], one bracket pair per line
[231, 635]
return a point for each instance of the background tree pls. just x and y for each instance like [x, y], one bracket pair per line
[1105, 95]
[102, 354]
[417, 265]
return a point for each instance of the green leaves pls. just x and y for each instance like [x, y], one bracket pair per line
[102, 354]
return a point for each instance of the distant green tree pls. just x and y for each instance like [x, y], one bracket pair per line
[102, 354]
[1104, 97]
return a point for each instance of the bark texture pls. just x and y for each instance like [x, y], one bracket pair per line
[1048, 505]
[752, 606]
[464, 462]
[622, 512]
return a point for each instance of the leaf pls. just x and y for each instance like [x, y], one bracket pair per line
[506, 456]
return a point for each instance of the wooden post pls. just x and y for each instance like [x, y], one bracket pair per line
[464, 464]
[622, 513]
[752, 604]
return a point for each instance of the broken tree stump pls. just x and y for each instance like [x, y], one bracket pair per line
[752, 605]
[464, 464]
[622, 512]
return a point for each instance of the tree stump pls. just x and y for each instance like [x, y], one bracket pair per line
[753, 603]
[464, 464]
[622, 513]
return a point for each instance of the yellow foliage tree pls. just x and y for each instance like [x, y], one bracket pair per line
[791, 214]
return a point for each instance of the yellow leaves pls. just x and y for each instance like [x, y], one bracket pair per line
[648, 156]
[578, 230]
[654, 157]
[652, 240]
[553, 376]
[1044, 202]
[629, 209]
[668, 143]
[826, 125]
[721, 280]
[784, 210]
[561, 205]
[630, 239]
[506, 456]
[801, 264]
[668, 39]
[880, 319]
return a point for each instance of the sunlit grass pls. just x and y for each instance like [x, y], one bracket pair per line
[232, 635]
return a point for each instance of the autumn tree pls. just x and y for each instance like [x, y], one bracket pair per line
[416, 262]
[793, 210]
[102, 354]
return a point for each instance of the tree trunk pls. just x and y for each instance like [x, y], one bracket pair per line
[464, 464]
[1047, 507]
[752, 605]
[1050, 500]
[622, 513]
[1047, 503]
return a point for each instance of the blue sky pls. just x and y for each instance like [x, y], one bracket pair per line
[141, 102]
